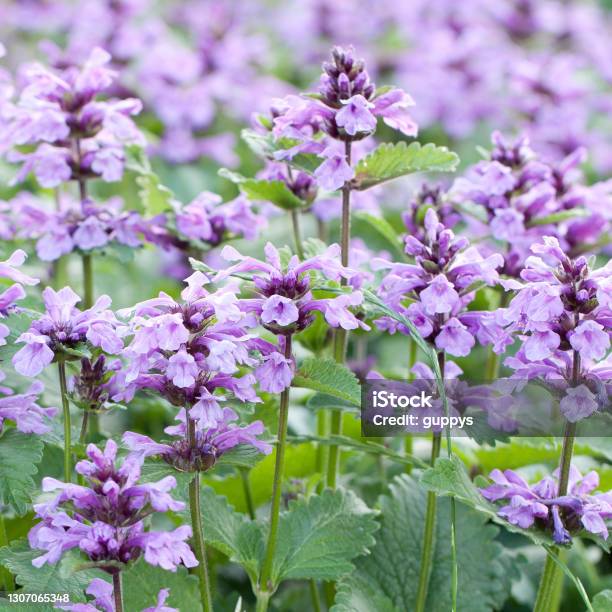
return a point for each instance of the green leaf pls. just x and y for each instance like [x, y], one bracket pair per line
[364, 445]
[327, 376]
[243, 455]
[558, 217]
[234, 534]
[602, 602]
[46, 579]
[390, 161]
[449, 477]
[142, 582]
[156, 198]
[261, 190]
[386, 580]
[19, 456]
[379, 231]
[319, 537]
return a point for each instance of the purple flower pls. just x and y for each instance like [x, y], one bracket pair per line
[23, 410]
[64, 326]
[435, 291]
[556, 311]
[215, 434]
[105, 520]
[355, 116]
[334, 171]
[540, 504]
[186, 350]
[275, 373]
[55, 110]
[579, 403]
[285, 303]
[75, 225]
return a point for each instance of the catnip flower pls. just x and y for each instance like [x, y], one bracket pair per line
[105, 520]
[540, 504]
[562, 313]
[285, 304]
[346, 108]
[187, 350]
[435, 291]
[516, 191]
[215, 435]
[63, 326]
[70, 133]
[73, 225]
[14, 293]
[204, 223]
[103, 600]
[23, 409]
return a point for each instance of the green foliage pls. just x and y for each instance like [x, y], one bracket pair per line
[329, 377]
[155, 197]
[602, 602]
[320, 536]
[142, 582]
[46, 579]
[386, 580]
[378, 232]
[261, 190]
[390, 161]
[19, 456]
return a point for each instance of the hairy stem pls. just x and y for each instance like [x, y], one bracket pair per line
[297, 234]
[279, 468]
[248, 494]
[408, 438]
[341, 335]
[428, 534]
[430, 517]
[61, 368]
[117, 591]
[198, 543]
[552, 574]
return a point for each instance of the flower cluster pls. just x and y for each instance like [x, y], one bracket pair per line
[541, 505]
[346, 109]
[63, 327]
[59, 230]
[435, 291]
[204, 223]
[215, 434]
[70, 133]
[520, 195]
[187, 350]
[563, 312]
[105, 520]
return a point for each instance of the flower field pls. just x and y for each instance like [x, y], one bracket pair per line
[305, 305]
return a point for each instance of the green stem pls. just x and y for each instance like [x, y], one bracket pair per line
[279, 468]
[6, 578]
[61, 368]
[297, 235]
[430, 517]
[552, 573]
[341, 335]
[322, 450]
[88, 281]
[248, 494]
[314, 594]
[263, 599]
[408, 438]
[428, 534]
[198, 543]
[117, 591]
